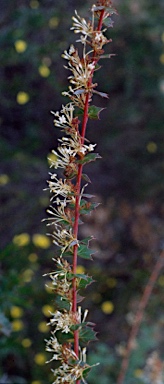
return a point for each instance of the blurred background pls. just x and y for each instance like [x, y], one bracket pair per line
[128, 225]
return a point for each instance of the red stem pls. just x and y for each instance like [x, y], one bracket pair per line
[77, 213]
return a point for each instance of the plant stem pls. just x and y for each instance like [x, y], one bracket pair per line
[139, 316]
[77, 212]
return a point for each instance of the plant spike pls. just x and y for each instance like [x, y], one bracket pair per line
[68, 202]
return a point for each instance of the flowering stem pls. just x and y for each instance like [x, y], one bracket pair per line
[77, 213]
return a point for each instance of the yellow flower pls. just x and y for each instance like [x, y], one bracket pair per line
[40, 358]
[161, 59]
[138, 373]
[16, 311]
[41, 241]
[49, 287]
[33, 257]
[20, 46]
[53, 22]
[43, 327]
[46, 309]
[26, 343]
[151, 147]
[36, 382]
[80, 269]
[161, 280]
[51, 158]
[27, 275]
[21, 240]
[107, 307]
[4, 179]
[17, 325]
[22, 97]
[44, 70]
[111, 282]
[34, 4]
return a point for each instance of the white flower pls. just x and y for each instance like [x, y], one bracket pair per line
[63, 238]
[62, 321]
[80, 25]
[59, 187]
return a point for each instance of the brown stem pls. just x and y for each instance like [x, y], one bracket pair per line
[139, 316]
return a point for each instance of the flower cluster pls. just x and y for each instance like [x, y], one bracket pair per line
[69, 202]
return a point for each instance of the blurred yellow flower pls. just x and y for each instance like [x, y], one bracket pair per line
[107, 307]
[22, 97]
[16, 311]
[51, 157]
[46, 309]
[111, 282]
[33, 257]
[36, 382]
[40, 358]
[138, 373]
[17, 325]
[151, 147]
[4, 179]
[53, 22]
[161, 280]
[21, 240]
[20, 46]
[80, 269]
[43, 327]
[34, 4]
[41, 241]
[27, 275]
[161, 58]
[49, 287]
[26, 343]
[44, 70]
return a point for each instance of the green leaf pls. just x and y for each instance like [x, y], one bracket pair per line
[83, 283]
[108, 22]
[86, 178]
[64, 337]
[84, 252]
[86, 207]
[112, 11]
[89, 157]
[94, 112]
[87, 334]
[62, 303]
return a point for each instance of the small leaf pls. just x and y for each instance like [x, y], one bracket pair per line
[89, 157]
[94, 112]
[84, 252]
[62, 303]
[84, 283]
[87, 334]
[102, 94]
[79, 91]
[64, 337]
[108, 22]
[86, 207]
[112, 11]
[86, 178]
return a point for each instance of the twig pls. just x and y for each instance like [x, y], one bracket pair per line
[139, 316]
